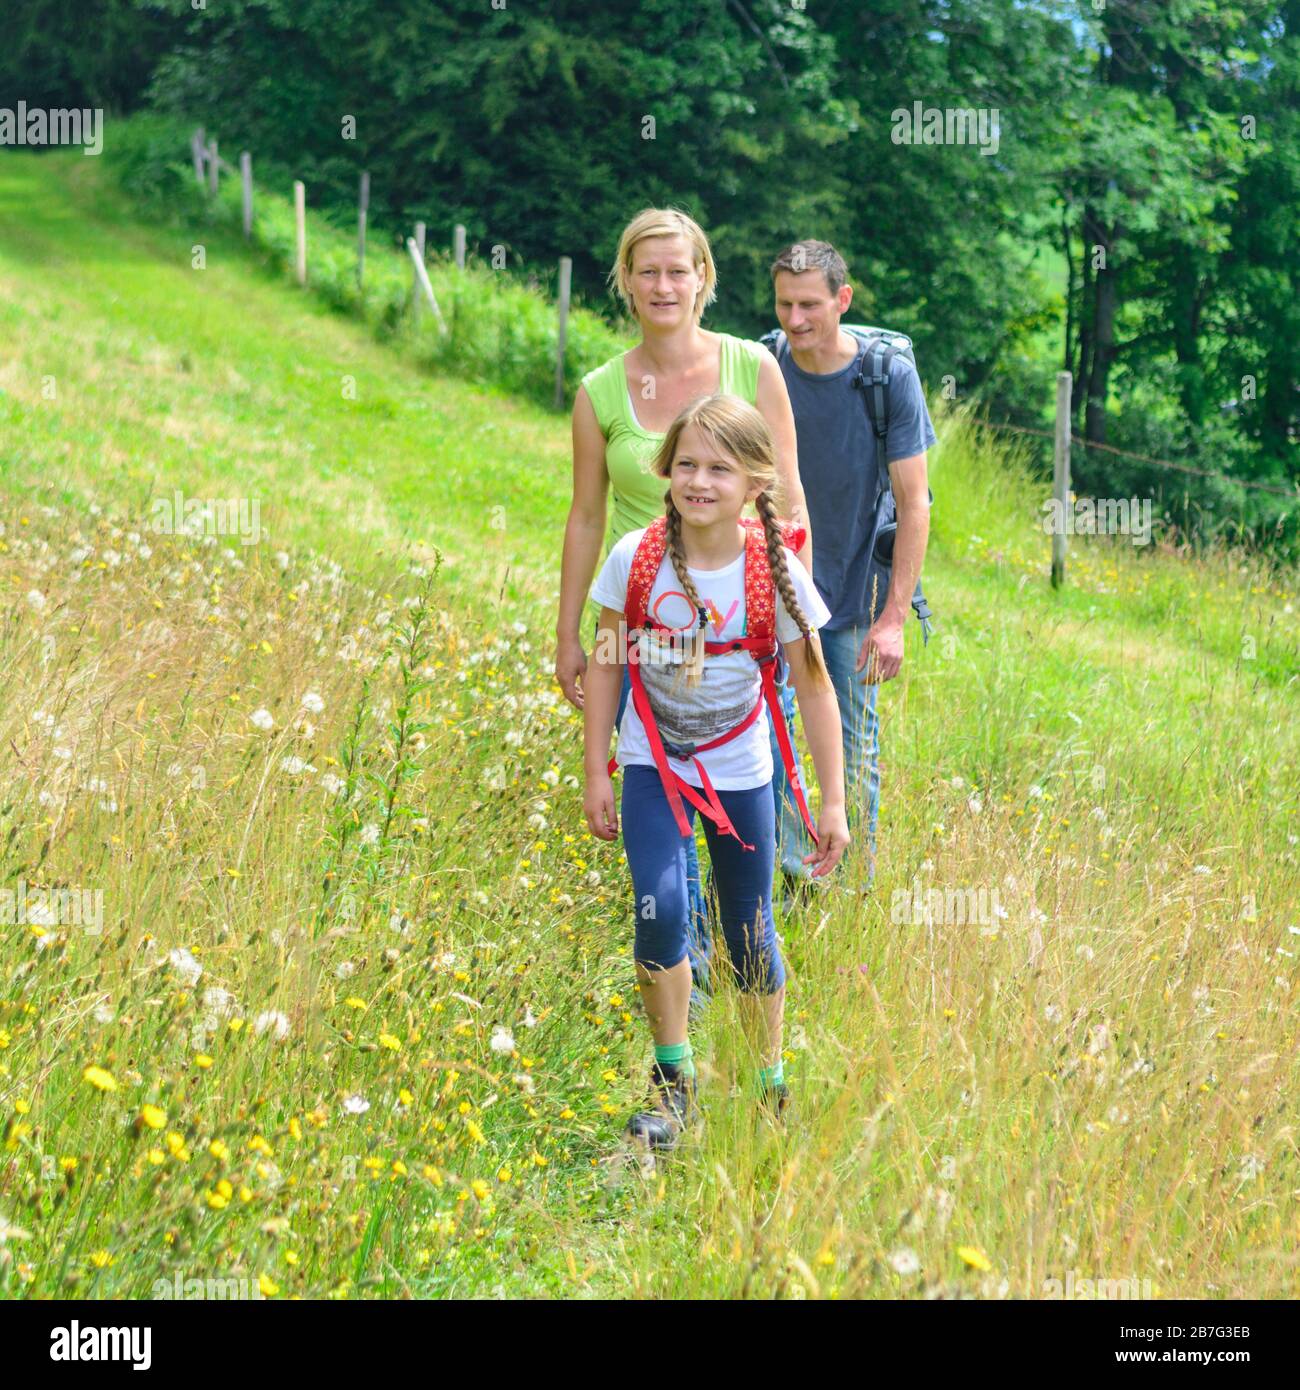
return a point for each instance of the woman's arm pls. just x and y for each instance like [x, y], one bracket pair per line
[774, 405]
[821, 724]
[604, 681]
[583, 534]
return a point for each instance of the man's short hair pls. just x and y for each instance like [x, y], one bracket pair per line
[813, 255]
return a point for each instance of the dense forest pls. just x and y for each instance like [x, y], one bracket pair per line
[1126, 205]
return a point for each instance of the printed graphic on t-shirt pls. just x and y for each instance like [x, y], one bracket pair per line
[720, 701]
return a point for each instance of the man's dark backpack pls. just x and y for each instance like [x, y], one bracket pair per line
[873, 380]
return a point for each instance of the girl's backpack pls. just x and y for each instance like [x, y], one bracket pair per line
[759, 640]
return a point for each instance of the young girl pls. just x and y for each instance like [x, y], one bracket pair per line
[703, 724]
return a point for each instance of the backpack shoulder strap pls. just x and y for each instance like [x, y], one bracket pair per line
[774, 342]
[760, 592]
[649, 556]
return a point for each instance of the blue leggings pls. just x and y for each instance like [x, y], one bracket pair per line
[656, 855]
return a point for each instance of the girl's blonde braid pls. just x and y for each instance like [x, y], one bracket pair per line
[694, 665]
[766, 509]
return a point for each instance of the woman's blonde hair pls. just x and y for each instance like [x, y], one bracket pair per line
[653, 222]
[741, 433]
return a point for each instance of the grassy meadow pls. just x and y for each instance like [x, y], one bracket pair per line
[320, 984]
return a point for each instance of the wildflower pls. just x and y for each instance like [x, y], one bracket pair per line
[185, 966]
[502, 1040]
[481, 1190]
[217, 1200]
[100, 1079]
[356, 1105]
[370, 834]
[267, 1286]
[153, 1116]
[975, 1258]
[201, 1059]
[294, 766]
[475, 1133]
[404, 1097]
[313, 703]
[176, 1147]
[156, 1156]
[904, 1261]
[332, 783]
[35, 599]
[390, 1042]
[257, 1144]
[273, 1022]
[262, 719]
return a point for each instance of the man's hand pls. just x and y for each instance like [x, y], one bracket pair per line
[882, 651]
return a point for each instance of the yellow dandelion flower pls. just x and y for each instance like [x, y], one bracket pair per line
[975, 1258]
[539, 1160]
[611, 1076]
[295, 1129]
[245, 1193]
[176, 1147]
[101, 1259]
[566, 1113]
[100, 1079]
[201, 1059]
[399, 1168]
[226, 1190]
[354, 1003]
[475, 1133]
[156, 1156]
[268, 1287]
[291, 1257]
[153, 1116]
[405, 1097]
[219, 1151]
[23, 1107]
[615, 1001]
[390, 1042]
[259, 1145]
[217, 1200]
[481, 1189]
[434, 1176]
[68, 1164]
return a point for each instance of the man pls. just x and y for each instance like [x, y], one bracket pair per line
[839, 462]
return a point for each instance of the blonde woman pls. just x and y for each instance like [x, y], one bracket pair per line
[665, 275]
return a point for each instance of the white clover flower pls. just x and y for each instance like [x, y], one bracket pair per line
[904, 1261]
[1035, 791]
[35, 599]
[293, 766]
[502, 1040]
[313, 703]
[370, 834]
[185, 966]
[273, 1022]
[262, 719]
[332, 784]
[356, 1105]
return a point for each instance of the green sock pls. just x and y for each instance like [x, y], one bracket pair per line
[677, 1055]
[770, 1077]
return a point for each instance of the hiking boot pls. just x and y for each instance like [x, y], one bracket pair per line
[775, 1104]
[673, 1098]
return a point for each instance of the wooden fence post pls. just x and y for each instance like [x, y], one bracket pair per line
[458, 246]
[422, 275]
[566, 279]
[417, 302]
[300, 220]
[198, 146]
[214, 169]
[1061, 477]
[246, 178]
[363, 207]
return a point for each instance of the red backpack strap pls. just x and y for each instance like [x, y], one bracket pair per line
[645, 566]
[760, 592]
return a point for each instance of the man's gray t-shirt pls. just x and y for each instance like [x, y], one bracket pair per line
[839, 468]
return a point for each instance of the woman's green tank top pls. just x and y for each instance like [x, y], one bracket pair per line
[629, 449]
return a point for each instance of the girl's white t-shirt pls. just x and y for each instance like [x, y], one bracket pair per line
[731, 683]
